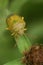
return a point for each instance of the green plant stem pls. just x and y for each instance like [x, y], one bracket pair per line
[23, 43]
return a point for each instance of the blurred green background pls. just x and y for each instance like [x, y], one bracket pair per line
[32, 10]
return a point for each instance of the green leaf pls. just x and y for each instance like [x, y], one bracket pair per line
[36, 32]
[33, 14]
[14, 62]
[15, 5]
[3, 4]
[8, 51]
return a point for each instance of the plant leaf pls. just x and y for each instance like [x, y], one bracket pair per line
[8, 51]
[3, 4]
[14, 62]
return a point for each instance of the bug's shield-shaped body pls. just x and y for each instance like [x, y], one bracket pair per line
[16, 25]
